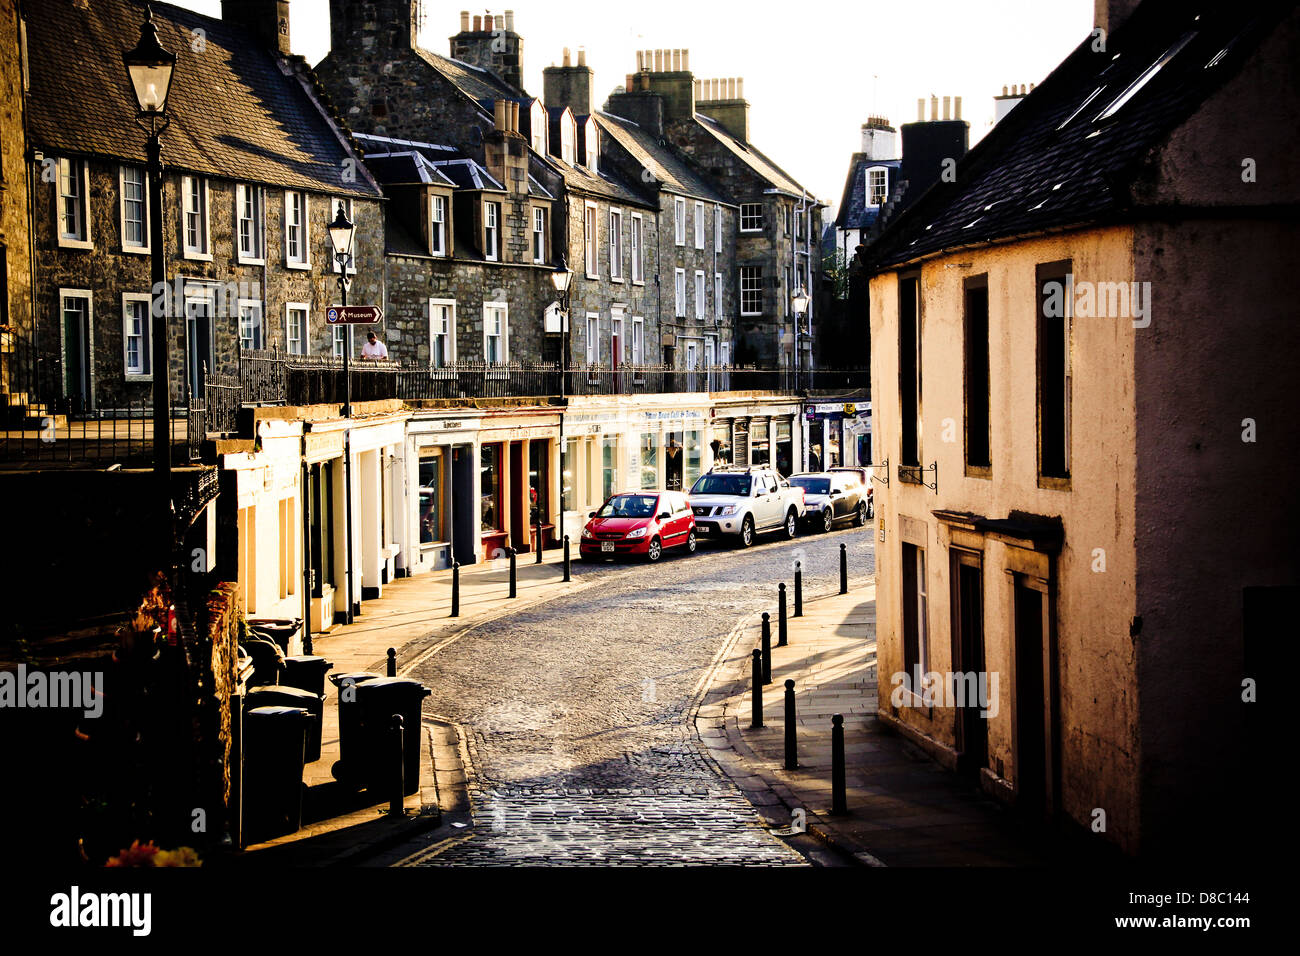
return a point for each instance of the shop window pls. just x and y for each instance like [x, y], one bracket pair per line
[568, 468]
[431, 496]
[649, 460]
[609, 466]
[490, 488]
[693, 452]
[759, 449]
[784, 447]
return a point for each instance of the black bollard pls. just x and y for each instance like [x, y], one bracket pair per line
[839, 805]
[757, 676]
[844, 570]
[767, 655]
[567, 575]
[780, 617]
[306, 639]
[455, 589]
[392, 662]
[791, 738]
[396, 799]
[539, 536]
[767, 629]
[514, 584]
[798, 589]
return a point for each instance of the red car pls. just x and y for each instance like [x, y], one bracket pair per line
[641, 523]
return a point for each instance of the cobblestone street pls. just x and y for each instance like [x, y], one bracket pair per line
[577, 712]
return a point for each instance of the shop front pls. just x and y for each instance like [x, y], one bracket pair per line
[517, 459]
[837, 433]
[444, 528]
[755, 435]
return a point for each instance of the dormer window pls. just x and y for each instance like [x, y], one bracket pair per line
[438, 225]
[492, 231]
[568, 136]
[537, 121]
[877, 185]
[593, 146]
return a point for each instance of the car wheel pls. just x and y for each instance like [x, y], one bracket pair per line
[791, 524]
[871, 509]
[691, 542]
[655, 551]
[747, 531]
[828, 519]
[860, 517]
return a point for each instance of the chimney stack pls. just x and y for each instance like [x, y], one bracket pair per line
[1004, 104]
[1109, 15]
[490, 43]
[723, 101]
[569, 84]
[267, 20]
[879, 139]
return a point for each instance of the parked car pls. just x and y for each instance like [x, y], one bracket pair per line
[741, 502]
[638, 523]
[863, 475]
[831, 497]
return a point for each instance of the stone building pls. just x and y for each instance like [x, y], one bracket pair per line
[15, 223]
[1052, 330]
[245, 215]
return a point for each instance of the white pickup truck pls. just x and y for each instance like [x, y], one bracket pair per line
[744, 501]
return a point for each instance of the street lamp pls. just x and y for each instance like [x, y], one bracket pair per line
[149, 68]
[562, 278]
[799, 303]
[342, 233]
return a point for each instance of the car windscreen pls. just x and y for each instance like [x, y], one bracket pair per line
[814, 486]
[722, 485]
[628, 506]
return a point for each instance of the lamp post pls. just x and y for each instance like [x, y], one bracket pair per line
[342, 234]
[150, 69]
[799, 303]
[562, 277]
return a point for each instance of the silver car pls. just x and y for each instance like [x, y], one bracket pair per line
[831, 497]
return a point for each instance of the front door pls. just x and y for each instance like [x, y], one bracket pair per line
[76, 352]
[616, 350]
[968, 638]
[1033, 683]
[200, 356]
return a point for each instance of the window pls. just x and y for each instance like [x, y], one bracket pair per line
[877, 186]
[442, 332]
[699, 225]
[593, 339]
[616, 244]
[431, 496]
[1147, 76]
[135, 209]
[679, 289]
[589, 238]
[539, 234]
[1055, 290]
[194, 217]
[295, 230]
[73, 186]
[338, 340]
[638, 340]
[785, 212]
[638, 264]
[593, 145]
[909, 370]
[751, 290]
[699, 294]
[250, 324]
[724, 353]
[136, 314]
[252, 235]
[787, 291]
[679, 220]
[916, 631]
[537, 127]
[438, 225]
[492, 231]
[979, 459]
[567, 135]
[717, 296]
[751, 217]
[489, 492]
[295, 328]
[496, 332]
[717, 228]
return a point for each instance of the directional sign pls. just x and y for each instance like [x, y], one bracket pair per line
[353, 314]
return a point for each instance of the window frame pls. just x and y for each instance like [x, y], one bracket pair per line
[338, 340]
[143, 247]
[615, 245]
[492, 230]
[593, 339]
[701, 291]
[146, 338]
[258, 193]
[239, 320]
[203, 252]
[757, 288]
[1061, 269]
[699, 225]
[743, 216]
[637, 248]
[88, 297]
[450, 334]
[679, 293]
[679, 220]
[351, 214]
[504, 335]
[915, 616]
[884, 195]
[591, 238]
[717, 296]
[439, 229]
[638, 340]
[304, 240]
[305, 341]
[910, 433]
[971, 351]
[717, 227]
[84, 238]
[540, 236]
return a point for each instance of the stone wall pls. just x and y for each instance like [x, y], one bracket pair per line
[15, 259]
[217, 682]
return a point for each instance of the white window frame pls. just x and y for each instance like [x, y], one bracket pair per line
[203, 251]
[568, 139]
[759, 288]
[743, 216]
[239, 327]
[593, 147]
[699, 225]
[616, 326]
[329, 250]
[538, 121]
[679, 293]
[638, 249]
[338, 340]
[504, 334]
[884, 192]
[303, 261]
[616, 245]
[679, 220]
[143, 245]
[717, 227]
[438, 226]
[492, 231]
[146, 338]
[257, 256]
[539, 234]
[717, 296]
[724, 354]
[73, 170]
[89, 298]
[305, 340]
[699, 295]
[590, 238]
[638, 340]
[449, 334]
[593, 339]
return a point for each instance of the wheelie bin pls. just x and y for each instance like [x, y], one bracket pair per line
[279, 695]
[377, 701]
[274, 745]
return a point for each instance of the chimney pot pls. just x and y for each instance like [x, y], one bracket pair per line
[934, 108]
[510, 21]
[920, 110]
[956, 107]
[659, 61]
[582, 56]
[740, 87]
[464, 21]
[640, 58]
[628, 85]
[499, 114]
[566, 57]
[487, 23]
[478, 24]
[686, 60]
[947, 103]
[514, 117]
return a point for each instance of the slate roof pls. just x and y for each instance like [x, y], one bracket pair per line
[480, 85]
[673, 173]
[1054, 161]
[580, 177]
[751, 157]
[408, 168]
[854, 211]
[235, 114]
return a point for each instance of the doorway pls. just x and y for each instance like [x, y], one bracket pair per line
[76, 352]
[673, 462]
[1034, 723]
[200, 356]
[968, 654]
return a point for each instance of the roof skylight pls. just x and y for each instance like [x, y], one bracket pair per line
[1147, 76]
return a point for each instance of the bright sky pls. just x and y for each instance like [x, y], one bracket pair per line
[814, 70]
